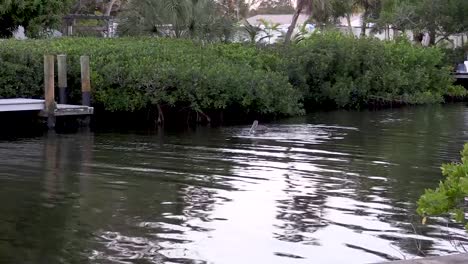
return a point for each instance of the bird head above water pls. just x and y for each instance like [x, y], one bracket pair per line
[257, 128]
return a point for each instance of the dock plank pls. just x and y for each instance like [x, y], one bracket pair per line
[22, 104]
[460, 76]
[68, 110]
[450, 259]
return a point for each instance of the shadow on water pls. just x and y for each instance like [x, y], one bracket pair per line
[332, 187]
[40, 192]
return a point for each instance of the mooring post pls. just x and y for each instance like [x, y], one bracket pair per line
[85, 81]
[49, 86]
[62, 78]
[85, 86]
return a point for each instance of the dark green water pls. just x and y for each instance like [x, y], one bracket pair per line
[335, 187]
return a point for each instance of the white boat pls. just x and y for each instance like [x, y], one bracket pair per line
[462, 67]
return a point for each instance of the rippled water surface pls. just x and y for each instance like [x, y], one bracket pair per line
[335, 187]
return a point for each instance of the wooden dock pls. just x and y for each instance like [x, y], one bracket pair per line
[461, 76]
[22, 104]
[48, 107]
[450, 259]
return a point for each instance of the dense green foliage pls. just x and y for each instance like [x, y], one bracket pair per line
[440, 18]
[36, 16]
[195, 19]
[350, 72]
[449, 197]
[455, 56]
[129, 74]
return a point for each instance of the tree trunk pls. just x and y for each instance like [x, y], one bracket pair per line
[76, 7]
[350, 27]
[446, 37]
[207, 118]
[287, 38]
[160, 115]
[396, 33]
[432, 37]
[364, 23]
[109, 7]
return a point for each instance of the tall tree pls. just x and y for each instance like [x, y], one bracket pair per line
[109, 7]
[321, 12]
[344, 8]
[274, 7]
[36, 16]
[236, 9]
[105, 7]
[302, 6]
[438, 18]
[441, 18]
[370, 9]
[253, 3]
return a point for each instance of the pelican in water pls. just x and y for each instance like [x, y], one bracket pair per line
[257, 128]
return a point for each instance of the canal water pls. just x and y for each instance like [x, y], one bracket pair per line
[331, 187]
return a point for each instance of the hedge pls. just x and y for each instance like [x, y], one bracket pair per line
[129, 74]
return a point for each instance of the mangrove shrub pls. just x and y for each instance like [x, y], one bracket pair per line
[131, 74]
[344, 71]
[450, 196]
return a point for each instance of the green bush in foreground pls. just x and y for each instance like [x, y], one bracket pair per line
[129, 74]
[449, 197]
[133, 73]
[350, 72]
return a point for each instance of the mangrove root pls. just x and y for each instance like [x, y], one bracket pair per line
[160, 115]
[208, 119]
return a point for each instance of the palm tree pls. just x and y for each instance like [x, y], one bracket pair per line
[174, 18]
[320, 9]
[322, 12]
[269, 28]
[252, 31]
[109, 7]
[345, 8]
[298, 36]
[301, 6]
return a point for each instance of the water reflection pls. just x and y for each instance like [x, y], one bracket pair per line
[40, 195]
[336, 187]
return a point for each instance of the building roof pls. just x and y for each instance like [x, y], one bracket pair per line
[276, 19]
[355, 20]
[287, 18]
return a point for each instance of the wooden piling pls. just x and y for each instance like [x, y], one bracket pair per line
[69, 30]
[49, 86]
[85, 81]
[85, 86]
[62, 78]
